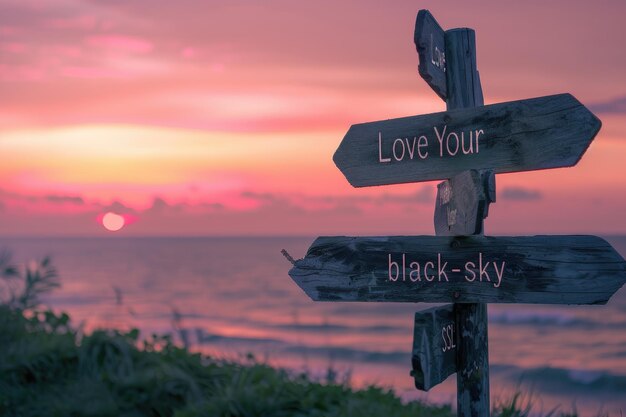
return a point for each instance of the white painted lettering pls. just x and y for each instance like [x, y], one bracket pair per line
[441, 269]
[410, 148]
[470, 149]
[404, 267]
[447, 334]
[470, 269]
[437, 57]
[428, 278]
[393, 264]
[478, 132]
[481, 270]
[421, 143]
[499, 274]
[415, 270]
[440, 138]
[394, 149]
[436, 270]
[450, 143]
[456, 139]
[380, 149]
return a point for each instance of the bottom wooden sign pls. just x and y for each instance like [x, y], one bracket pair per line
[434, 346]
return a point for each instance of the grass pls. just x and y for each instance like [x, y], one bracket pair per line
[47, 369]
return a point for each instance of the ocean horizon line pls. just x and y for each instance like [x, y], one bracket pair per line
[279, 236]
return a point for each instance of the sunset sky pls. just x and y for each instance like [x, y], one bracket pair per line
[221, 118]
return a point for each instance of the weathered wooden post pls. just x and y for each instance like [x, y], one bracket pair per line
[472, 359]
[465, 146]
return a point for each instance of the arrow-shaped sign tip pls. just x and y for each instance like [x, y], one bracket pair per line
[298, 274]
[342, 159]
[594, 122]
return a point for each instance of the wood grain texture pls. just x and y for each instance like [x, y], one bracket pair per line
[462, 76]
[433, 358]
[536, 269]
[463, 202]
[430, 44]
[472, 360]
[478, 90]
[539, 133]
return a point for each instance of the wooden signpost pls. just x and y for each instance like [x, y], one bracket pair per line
[465, 145]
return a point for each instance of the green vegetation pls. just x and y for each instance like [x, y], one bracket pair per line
[20, 288]
[47, 368]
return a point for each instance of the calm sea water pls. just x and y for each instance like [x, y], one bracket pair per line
[232, 296]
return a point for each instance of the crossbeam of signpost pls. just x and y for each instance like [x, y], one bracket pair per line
[539, 133]
[473, 269]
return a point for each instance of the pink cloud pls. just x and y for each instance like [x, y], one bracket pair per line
[25, 72]
[84, 22]
[6, 30]
[68, 51]
[89, 72]
[188, 52]
[13, 47]
[120, 43]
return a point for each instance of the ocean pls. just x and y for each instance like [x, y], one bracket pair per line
[230, 297]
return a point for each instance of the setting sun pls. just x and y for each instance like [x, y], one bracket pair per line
[112, 222]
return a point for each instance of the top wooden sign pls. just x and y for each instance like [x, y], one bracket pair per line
[524, 135]
[430, 43]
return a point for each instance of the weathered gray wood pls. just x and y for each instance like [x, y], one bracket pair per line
[472, 376]
[434, 346]
[462, 75]
[472, 360]
[539, 133]
[478, 89]
[527, 269]
[430, 44]
[490, 187]
[463, 202]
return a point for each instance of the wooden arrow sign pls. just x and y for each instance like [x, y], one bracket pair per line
[539, 133]
[429, 40]
[434, 346]
[474, 269]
